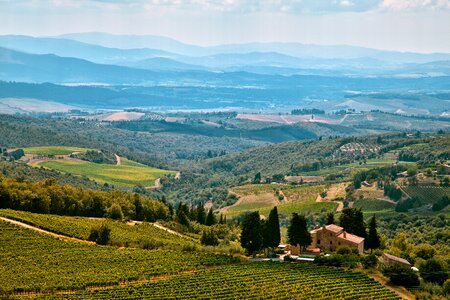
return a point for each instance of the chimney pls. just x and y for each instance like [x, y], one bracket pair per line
[317, 226]
[345, 235]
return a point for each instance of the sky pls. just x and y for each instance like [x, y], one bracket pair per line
[414, 25]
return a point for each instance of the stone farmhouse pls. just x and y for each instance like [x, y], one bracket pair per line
[330, 237]
[389, 259]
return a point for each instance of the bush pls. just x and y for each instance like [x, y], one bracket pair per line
[401, 275]
[101, 235]
[115, 212]
[446, 287]
[345, 250]
[369, 261]
[209, 238]
[424, 251]
[337, 260]
[433, 271]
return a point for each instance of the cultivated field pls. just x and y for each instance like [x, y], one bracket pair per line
[54, 150]
[128, 174]
[287, 198]
[129, 234]
[427, 193]
[36, 262]
[287, 119]
[255, 280]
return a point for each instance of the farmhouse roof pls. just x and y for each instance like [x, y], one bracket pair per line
[351, 237]
[397, 259]
[334, 228]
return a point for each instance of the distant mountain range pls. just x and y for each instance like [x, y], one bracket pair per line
[141, 71]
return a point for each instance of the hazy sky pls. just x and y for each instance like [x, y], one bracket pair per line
[415, 25]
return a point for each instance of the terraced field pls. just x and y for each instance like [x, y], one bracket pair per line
[128, 174]
[34, 262]
[132, 234]
[255, 280]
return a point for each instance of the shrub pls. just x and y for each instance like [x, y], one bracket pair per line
[209, 238]
[369, 261]
[401, 275]
[101, 235]
[337, 260]
[433, 271]
[446, 287]
[115, 212]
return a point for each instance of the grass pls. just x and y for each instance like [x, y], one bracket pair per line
[54, 150]
[123, 233]
[128, 174]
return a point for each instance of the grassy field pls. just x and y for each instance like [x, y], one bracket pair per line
[54, 150]
[353, 167]
[31, 261]
[128, 174]
[255, 280]
[123, 233]
[263, 197]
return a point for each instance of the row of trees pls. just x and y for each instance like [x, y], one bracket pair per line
[185, 214]
[47, 197]
[258, 234]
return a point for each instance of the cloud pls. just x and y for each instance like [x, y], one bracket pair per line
[405, 5]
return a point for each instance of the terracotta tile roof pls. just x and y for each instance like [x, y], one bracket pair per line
[334, 228]
[351, 238]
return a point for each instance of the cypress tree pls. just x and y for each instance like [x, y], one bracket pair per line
[251, 238]
[273, 229]
[298, 233]
[210, 218]
[201, 213]
[373, 239]
[330, 218]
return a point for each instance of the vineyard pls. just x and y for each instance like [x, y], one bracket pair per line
[427, 194]
[132, 234]
[373, 205]
[31, 261]
[256, 280]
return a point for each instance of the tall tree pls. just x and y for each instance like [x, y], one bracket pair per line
[251, 238]
[330, 218]
[298, 233]
[352, 220]
[201, 213]
[373, 239]
[272, 229]
[210, 218]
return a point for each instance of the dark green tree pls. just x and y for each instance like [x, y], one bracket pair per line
[100, 235]
[352, 220]
[330, 218]
[251, 238]
[272, 230]
[209, 238]
[201, 213]
[257, 178]
[210, 218]
[298, 233]
[433, 271]
[373, 239]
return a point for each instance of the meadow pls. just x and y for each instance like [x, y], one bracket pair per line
[254, 280]
[128, 174]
